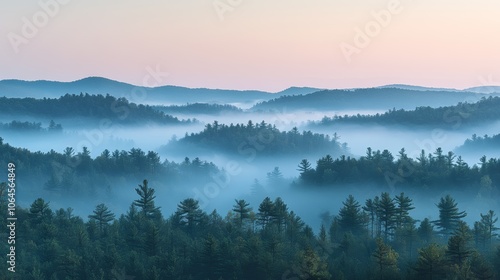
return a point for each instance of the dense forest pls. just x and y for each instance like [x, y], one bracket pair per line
[118, 110]
[377, 239]
[432, 171]
[248, 139]
[447, 117]
[199, 108]
[481, 143]
[74, 173]
[18, 126]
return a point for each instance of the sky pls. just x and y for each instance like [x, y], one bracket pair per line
[254, 44]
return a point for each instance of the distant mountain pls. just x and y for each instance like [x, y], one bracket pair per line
[98, 85]
[297, 91]
[484, 89]
[313, 98]
[370, 98]
[419, 88]
[53, 89]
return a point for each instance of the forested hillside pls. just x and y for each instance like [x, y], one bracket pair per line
[117, 110]
[377, 239]
[75, 173]
[435, 171]
[250, 138]
[22, 127]
[447, 117]
[199, 108]
[481, 143]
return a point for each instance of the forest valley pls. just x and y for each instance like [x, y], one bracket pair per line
[375, 239]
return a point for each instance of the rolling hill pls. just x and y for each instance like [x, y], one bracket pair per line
[370, 98]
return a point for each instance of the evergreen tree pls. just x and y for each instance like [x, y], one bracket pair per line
[279, 213]
[403, 206]
[431, 263]
[40, 209]
[189, 214]
[324, 247]
[275, 178]
[449, 216]
[386, 214]
[458, 250]
[350, 216]
[257, 189]
[266, 209]
[102, 215]
[312, 267]
[488, 221]
[371, 209]
[481, 268]
[242, 208]
[152, 239]
[146, 200]
[426, 230]
[305, 169]
[386, 260]
[211, 259]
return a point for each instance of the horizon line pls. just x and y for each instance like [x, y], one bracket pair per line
[265, 91]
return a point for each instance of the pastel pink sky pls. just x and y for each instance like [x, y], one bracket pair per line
[259, 44]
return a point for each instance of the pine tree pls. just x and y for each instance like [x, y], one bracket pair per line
[265, 213]
[275, 178]
[386, 214]
[312, 267]
[386, 260]
[68, 265]
[481, 269]
[102, 215]
[294, 226]
[371, 209]
[350, 216]
[426, 230]
[279, 213]
[189, 214]
[40, 209]
[146, 200]
[488, 221]
[458, 250]
[152, 239]
[431, 263]
[403, 206]
[257, 189]
[211, 259]
[306, 171]
[241, 207]
[449, 216]
[323, 242]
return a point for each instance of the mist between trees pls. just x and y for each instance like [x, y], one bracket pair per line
[377, 239]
